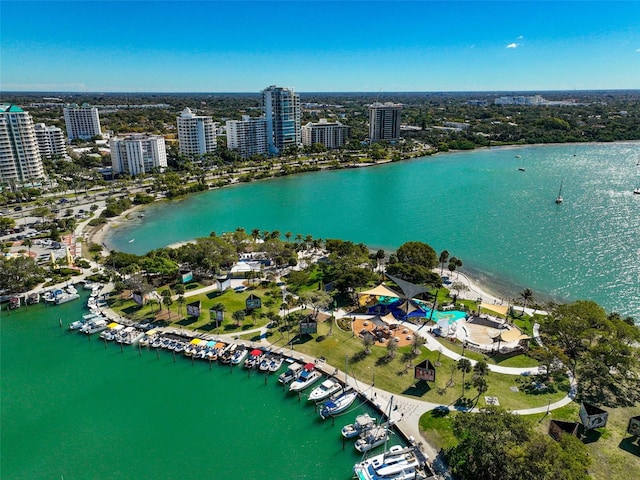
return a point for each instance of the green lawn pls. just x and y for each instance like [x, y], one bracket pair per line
[396, 375]
[232, 301]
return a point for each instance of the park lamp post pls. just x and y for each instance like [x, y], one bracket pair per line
[548, 405]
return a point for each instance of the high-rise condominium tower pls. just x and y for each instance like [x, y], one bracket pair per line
[136, 154]
[82, 122]
[384, 122]
[20, 160]
[196, 134]
[282, 112]
[247, 136]
[50, 141]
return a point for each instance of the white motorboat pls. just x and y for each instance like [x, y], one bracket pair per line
[362, 424]
[338, 403]
[397, 463]
[94, 326]
[66, 297]
[324, 390]
[308, 376]
[71, 289]
[275, 363]
[52, 295]
[239, 355]
[76, 325]
[290, 374]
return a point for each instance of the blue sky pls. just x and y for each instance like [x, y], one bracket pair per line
[244, 46]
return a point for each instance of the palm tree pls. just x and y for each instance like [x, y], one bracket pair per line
[444, 256]
[454, 263]
[28, 243]
[288, 235]
[464, 365]
[255, 234]
[527, 296]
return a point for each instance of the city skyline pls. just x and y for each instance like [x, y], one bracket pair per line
[330, 46]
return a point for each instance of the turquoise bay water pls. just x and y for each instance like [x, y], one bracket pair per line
[502, 222]
[73, 409]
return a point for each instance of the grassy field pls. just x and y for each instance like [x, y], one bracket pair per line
[232, 300]
[396, 375]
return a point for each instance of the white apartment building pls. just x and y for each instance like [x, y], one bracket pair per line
[196, 134]
[283, 113]
[248, 136]
[50, 141]
[329, 134]
[138, 153]
[82, 122]
[384, 121]
[20, 160]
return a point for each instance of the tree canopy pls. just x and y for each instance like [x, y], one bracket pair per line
[496, 445]
[599, 349]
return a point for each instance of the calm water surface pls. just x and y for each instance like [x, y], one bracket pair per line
[73, 409]
[501, 221]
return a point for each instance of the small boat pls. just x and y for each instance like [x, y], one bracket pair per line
[132, 240]
[76, 325]
[362, 424]
[324, 390]
[275, 363]
[372, 438]
[308, 376]
[265, 361]
[239, 355]
[338, 403]
[559, 198]
[71, 289]
[255, 357]
[636, 191]
[397, 463]
[290, 374]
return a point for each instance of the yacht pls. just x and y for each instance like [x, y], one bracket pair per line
[397, 463]
[324, 390]
[66, 297]
[306, 378]
[290, 374]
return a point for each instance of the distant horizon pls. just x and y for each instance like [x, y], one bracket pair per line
[187, 46]
[344, 92]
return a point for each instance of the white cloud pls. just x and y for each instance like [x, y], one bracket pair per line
[520, 37]
[637, 50]
[512, 45]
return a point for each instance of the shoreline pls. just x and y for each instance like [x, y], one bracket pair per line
[500, 291]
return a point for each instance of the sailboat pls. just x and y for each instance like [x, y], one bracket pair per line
[636, 191]
[521, 168]
[559, 198]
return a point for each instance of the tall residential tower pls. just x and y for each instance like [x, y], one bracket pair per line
[196, 134]
[20, 160]
[384, 122]
[82, 122]
[248, 136]
[138, 153]
[282, 112]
